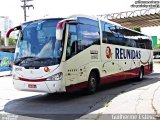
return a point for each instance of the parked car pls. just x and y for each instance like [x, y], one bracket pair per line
[156, 57]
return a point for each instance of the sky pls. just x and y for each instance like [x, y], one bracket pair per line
[65, 8]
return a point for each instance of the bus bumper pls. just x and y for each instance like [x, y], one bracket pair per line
[47, 86]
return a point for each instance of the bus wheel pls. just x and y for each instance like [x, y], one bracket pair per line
[92, 83]
[141, 73]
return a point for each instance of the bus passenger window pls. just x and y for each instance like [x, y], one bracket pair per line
[131, 43]
[142, 45]
[104, 37]
[80, 37]
[88, 35]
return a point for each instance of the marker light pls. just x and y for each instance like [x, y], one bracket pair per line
[46, 69]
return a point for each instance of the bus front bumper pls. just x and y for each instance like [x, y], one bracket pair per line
[46, 86]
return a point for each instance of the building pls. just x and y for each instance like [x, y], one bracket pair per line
[5, 25]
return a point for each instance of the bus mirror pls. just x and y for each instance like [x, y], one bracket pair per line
[59, 34]
[60, 27]
[11, 30]
[59, 30]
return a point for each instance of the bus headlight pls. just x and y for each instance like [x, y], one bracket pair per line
[55, 77]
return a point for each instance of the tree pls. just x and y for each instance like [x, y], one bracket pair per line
[157, 46]
[137, 29]
[11, 41]
[2, 40]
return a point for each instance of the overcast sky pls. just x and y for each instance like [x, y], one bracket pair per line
[64, 8]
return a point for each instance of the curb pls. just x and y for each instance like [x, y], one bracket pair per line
[5, 73]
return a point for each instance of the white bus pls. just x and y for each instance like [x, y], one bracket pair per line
[59, 55]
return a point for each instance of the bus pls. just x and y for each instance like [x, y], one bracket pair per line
[65, 54]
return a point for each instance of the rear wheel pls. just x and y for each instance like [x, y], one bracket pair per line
[92, 83]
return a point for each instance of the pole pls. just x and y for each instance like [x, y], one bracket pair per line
[26, 6]
[0, 39]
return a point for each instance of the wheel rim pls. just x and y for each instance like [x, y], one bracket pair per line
[92, 84]
[141, 74]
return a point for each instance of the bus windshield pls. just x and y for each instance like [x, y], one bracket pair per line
[37, 44]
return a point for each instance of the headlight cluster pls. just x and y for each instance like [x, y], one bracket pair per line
[56, 77]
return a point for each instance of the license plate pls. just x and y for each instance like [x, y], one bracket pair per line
[32, 86]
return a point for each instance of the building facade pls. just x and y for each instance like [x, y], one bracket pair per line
[5, 25]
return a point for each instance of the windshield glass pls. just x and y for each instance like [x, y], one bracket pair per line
[37, 44]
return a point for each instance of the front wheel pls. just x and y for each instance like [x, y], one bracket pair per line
[92, 83]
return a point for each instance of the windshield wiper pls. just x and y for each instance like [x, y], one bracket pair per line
[42, 59]
[21, 59]
[46, 61]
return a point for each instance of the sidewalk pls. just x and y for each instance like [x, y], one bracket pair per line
[5, 73]
[140, 102]
[144, 100]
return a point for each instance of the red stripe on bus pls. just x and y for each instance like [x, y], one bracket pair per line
[120, 76]
[114, 77]
[33, 80]
[126, 74]
[148, 69]
[77, 86]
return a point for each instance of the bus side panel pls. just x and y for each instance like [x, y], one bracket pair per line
[129, 67]
[110, 70]
[116, 66]
[78, 67]
[147, 61]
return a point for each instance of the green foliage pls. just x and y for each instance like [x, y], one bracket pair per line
[11, 41]
[157, 46]
[137, 29]
[2, 41]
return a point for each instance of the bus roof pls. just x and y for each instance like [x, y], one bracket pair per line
[85, 16]
[43, 19]
[104, 20]
[90, 17]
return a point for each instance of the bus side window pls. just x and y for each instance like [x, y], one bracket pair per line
[80, 37]
[131, 43]
[142, 45]
[88, 35]
[149, 44]
[104, 37]
[72, 46]
[113, 34]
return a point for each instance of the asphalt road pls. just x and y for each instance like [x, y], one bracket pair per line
[20, 105]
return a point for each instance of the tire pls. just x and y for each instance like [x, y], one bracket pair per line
[141, 74]
[92, 83]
